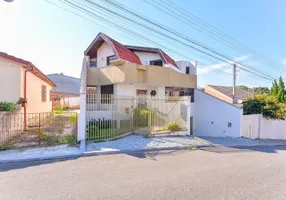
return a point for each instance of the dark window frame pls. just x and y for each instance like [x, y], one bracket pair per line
[187, 70]
[108, 59]
[152, 62]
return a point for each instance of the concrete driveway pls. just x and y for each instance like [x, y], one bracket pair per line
[212, 173]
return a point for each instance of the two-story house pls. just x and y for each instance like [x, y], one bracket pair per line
[126, 70]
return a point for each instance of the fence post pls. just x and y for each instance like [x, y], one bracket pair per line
[39, 134]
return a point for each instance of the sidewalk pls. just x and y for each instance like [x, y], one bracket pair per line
[129, 144]
[40, 153]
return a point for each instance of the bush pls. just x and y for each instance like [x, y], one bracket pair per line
[263, 104]
[73, 118]
[173, 126]
[141, 116]
[58, 111]
[70, 139]
[6, 106]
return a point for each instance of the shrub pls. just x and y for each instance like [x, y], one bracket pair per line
[141, 116]
[73, 118]
[173, 126]
[7, 106]
[70, 139]
[58, 111]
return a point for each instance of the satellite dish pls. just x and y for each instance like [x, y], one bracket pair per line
[239, 101]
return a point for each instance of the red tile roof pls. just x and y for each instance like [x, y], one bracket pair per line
[35, 70]
[124, 53]
[169, 59]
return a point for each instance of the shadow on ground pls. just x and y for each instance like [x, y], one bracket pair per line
[264, 149]
[21, 165]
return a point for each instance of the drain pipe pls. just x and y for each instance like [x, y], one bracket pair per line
[25, 95]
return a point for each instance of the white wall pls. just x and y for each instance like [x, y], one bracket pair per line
[211, 117]
[272, 129]
[183, 64]
[130, 89]
[103, 52]
[145, 57]
[250, 126]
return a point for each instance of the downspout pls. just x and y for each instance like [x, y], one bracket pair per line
[25, 95]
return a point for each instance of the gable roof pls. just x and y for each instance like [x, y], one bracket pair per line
[65, 84]
[125, 52]
[28, 64]
[227, 90]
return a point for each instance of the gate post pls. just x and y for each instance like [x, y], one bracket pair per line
[188, 116]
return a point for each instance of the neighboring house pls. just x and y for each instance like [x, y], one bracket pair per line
[114, 68]
[21, 79]
[225, 93]
[66, 91]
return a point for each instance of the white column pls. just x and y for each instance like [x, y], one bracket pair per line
[188, 116]
[82, 115]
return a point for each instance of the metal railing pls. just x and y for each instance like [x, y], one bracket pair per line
[109, 116]
[35, 129]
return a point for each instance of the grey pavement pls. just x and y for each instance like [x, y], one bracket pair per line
[210, 173]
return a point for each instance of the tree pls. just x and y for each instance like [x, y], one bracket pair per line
[281, 91]
[263, 104]
[274, 89]
[261, 90]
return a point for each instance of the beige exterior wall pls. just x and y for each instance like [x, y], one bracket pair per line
[131, 89]
[133, 73]
[10, 80]
[103, 52]
[217, 94]
[34, 95]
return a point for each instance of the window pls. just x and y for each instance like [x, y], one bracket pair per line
[44, 93]
[93, 64]
[187, 70]
[179, 92]
[109, 59]
[141, 92]
[156, 62]
[106, 92]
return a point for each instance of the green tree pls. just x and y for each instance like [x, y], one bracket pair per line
[274, 89]
[263, 104]
[262, 90]
[281, 90]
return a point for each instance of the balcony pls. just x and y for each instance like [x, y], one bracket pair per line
[122, 72]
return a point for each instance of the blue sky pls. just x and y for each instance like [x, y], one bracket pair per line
[54, 40]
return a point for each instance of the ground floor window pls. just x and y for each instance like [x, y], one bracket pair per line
[177, 92]
[106, 92]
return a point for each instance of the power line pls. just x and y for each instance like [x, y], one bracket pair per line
[219, 34]
[97, 16]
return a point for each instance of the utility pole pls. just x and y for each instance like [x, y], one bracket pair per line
[234, 84]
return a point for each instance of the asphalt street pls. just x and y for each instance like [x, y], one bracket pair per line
[211, 173]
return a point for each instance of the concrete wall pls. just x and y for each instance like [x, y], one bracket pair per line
[34, 95]
[212, 117]
[133, 73]
[10, 80]
[273, 129]
[131, 89]
[103, 52]
[251, 126]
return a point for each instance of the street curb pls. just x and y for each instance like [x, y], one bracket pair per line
[63, 157]
[98, 153]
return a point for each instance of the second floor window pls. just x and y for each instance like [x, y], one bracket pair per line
[187, 70]
[156, 62]
[109, 59]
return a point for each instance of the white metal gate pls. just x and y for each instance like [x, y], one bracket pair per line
[109, 116]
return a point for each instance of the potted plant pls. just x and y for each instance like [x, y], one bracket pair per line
[22, 101]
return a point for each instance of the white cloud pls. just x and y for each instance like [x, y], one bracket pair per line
[283, 62]
[210, 68]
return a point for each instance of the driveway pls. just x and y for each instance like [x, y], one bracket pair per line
[211, 173]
